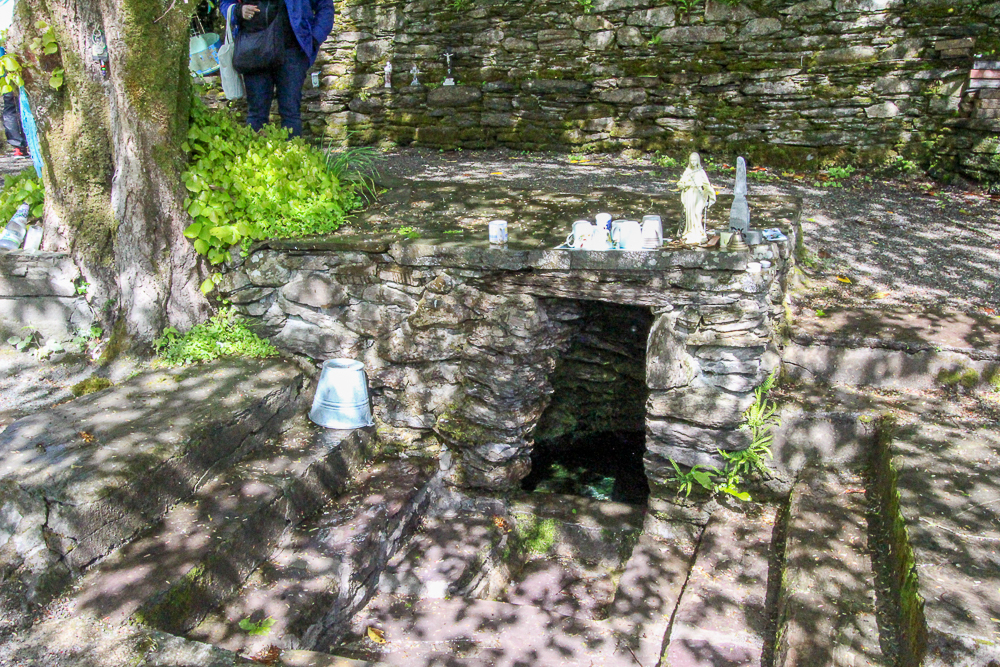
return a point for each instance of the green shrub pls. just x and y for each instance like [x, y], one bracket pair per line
[245, 186]
[23, 188]
[224, 335]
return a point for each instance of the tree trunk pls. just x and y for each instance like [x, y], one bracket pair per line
[111, 146]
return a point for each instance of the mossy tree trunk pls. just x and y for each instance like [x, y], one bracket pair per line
[112, 151]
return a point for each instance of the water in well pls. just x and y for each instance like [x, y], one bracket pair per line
[602, 466]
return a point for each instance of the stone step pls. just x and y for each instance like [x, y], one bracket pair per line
[722, 619]
[327, 568]
[205, 547]
[884, 368]
[950, 501]
[457, 555]
[651, 585]
[479, 633]
[556, 552]
[80, 479]
[827, 605]
[568, 552]
[596, 531]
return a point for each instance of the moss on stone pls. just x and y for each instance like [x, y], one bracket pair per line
[90, 385]
[117, 344]
[170, 610]
[901, 606]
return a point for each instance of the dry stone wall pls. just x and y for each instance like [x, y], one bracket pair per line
[460, 343]
[44, 291]
[845, 79]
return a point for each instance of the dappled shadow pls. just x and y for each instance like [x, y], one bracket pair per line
[323, 571]
[949, 498]
[919, 249]
[827, 603]
[537, 624]
[91, 474]
[722, 615]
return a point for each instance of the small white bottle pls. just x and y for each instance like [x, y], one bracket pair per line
[33, 239]
[13, 235]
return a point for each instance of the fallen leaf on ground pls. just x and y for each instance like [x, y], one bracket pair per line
[880, 295]
[989, 311]
[376, 635]
[501, 523]
[496, 173]
[268, 656]
[87, 437]
[844, 280]
[823, 254]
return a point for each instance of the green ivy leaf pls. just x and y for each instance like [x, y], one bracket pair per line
[193, 230]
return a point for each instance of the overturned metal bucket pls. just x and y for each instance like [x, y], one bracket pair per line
[341, 399]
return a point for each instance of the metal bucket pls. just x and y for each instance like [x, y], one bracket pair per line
[341, 399]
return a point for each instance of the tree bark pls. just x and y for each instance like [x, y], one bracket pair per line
[112, 151]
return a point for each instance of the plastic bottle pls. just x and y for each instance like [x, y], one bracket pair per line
[33, 239]
[13, 235]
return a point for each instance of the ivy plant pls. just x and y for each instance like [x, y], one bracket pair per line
[10, 74]
[23, 188]
[224, 335]
[46, 44]
[245, 186]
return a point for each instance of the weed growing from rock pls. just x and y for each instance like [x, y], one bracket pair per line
[224, 335]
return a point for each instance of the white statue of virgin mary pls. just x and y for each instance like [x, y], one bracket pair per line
[697, 195]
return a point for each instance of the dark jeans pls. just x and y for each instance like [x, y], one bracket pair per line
[12, 122]
[287, 81]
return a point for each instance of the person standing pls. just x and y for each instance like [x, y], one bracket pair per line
[12, 126]
[12, 122]
[305, 25]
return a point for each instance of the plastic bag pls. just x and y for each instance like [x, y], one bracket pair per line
[232, 81]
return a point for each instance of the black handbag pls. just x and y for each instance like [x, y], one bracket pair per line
[261, 50]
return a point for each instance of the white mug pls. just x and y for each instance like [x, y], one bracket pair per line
[582, 231]
[498, 232]
[603, 220]
[626, 235]
[599, 240]
[652, 232]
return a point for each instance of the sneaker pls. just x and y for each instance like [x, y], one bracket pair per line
[20, 152]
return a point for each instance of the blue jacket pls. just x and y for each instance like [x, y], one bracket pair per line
[311, 20]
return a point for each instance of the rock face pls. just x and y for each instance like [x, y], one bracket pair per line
[80, 479]
[461, 344]
[803, 78]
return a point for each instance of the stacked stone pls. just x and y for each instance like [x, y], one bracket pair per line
[600, 381]
[42, 290]
[460, 343]
[843, 77]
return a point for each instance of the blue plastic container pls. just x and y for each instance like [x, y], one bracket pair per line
[341, 399]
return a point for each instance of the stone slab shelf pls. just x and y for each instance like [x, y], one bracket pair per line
[460, 340]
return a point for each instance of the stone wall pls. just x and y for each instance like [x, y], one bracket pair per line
[847, 80]
[44, 291]
[460, 343]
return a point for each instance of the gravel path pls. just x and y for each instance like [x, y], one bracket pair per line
[911, 243]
